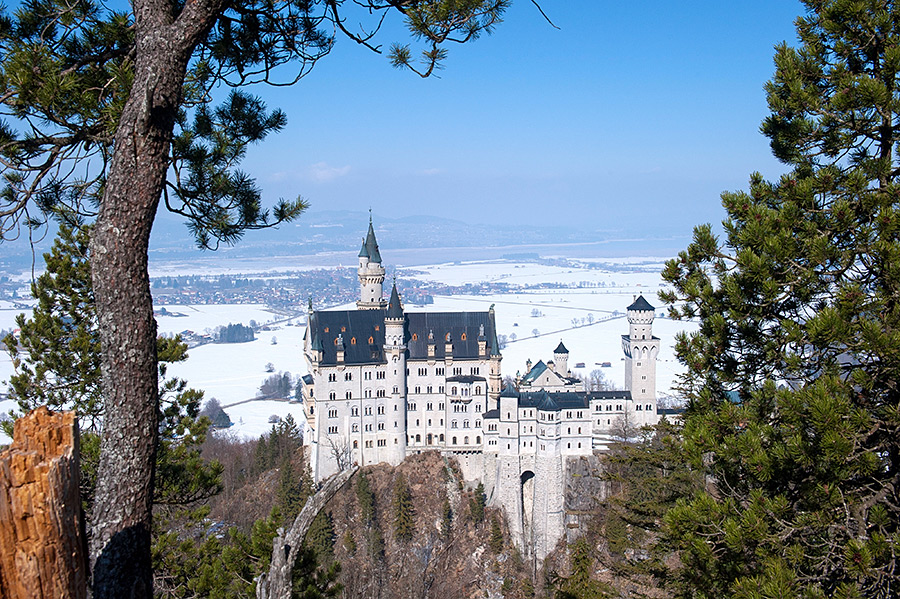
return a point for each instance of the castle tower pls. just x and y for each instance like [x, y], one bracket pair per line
[561, 359]
[371, 273]
[641, 350]
[394, 449]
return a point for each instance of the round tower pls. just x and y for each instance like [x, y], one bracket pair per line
[394, 449]
[561, 359]
[371, 273]
[641, 350]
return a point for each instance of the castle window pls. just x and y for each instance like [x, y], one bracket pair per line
[332, 396]
[423, 372]
[380, 410]
[465, 439]
[368, 410]
[441, 438]
[568, 446]
[332, 413]
[454, 440]
[377, 327]
[415, 337]
[478, 440]
[649, 407]
[381, 426]
[417, 389]
[440, 372]
[356, 445]
[474, 370]
[352, 340]
[380, 393]
[418, 438]
[579, 432]
[478, 407]
[428, 389]
[638, 408]
[465, 424]
[463, 337]
[326, 329]
[452, 390]
[343, 329]
[379, 375]
[332, 377]
[355, 428]
[332, 430]
[354, 411]
[477, 390]
[348, 395]
[453, 425]
[348, 376]
[371, 340]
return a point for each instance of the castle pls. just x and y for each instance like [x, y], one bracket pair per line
[384, 383]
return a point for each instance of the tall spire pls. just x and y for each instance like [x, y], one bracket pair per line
[372, 245]
[395, 310]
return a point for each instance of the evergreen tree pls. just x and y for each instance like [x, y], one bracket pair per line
[446, 519]
[404, 512]
[477, 504]
[320, 538]
[792, 377]
[580, 585]
[495, 542]
[99, 107]
[56, 358]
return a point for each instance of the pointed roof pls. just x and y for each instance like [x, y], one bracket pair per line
[363, 252]
[394, 310]
[371, 245]
[560, 349]
[495, 343]
[641, 304]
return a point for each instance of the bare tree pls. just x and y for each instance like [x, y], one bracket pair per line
[340, 451]
[624, 428]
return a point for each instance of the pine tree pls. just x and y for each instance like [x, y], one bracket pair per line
[446, 519]
[477, 504]
[404, 512]
[100, 106]
[580, 585]
[495, 542]
[792, 377]
[56, 358]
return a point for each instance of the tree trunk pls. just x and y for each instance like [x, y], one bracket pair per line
[42, 546]
[285, 547]
[121, 517]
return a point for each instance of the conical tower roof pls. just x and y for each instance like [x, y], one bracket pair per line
[641, 304]
[395, 310]
[371, 245]
[560, 349]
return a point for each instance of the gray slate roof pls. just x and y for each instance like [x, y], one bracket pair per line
[641, 304]
[357, 327]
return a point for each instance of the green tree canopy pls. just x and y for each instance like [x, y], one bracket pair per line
[794, 409]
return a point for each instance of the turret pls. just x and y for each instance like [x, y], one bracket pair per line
[394, 449]
[561, 359]
[371, 273]
[641, 350]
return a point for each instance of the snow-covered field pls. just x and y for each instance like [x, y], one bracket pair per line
[589, 320]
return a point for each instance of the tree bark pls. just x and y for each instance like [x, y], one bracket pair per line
[285, 547]
[121, 517]
[42, 546]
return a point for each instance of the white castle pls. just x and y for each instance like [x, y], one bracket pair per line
[384, 383]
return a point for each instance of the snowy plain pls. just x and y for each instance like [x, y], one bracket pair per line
[587, 315]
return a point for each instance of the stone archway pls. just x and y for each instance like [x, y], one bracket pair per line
[526, 487]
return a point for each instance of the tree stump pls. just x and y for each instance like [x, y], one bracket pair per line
[42, 544]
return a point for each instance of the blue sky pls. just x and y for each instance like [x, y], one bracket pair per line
[631, 118]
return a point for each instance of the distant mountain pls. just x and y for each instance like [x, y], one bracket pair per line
[338, 231]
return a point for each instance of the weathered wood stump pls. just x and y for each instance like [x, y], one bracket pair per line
[42, 545]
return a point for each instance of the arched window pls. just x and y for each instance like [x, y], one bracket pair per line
[454, 440]
[478, 440]
[477, 390]
[371, 340]
[418, 438]
[356, 445]
[352, 340]
[415, 337]
[463, 337]
[441, 437]
[465, 440]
